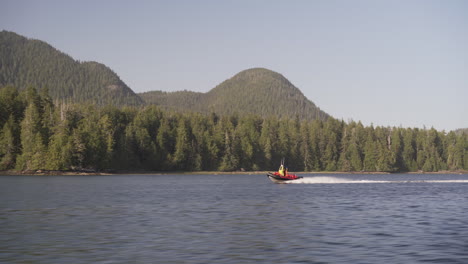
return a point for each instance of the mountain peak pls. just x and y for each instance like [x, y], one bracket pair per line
[257, 91]
[254, 74]
[257, 71]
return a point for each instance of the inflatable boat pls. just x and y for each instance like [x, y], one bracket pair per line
[276, 177]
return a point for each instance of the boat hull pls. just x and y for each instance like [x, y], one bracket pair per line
[277, 179]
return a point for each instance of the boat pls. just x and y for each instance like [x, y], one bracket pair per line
[282, 175]
[276, 177]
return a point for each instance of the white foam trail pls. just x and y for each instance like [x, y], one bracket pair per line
[335, 180]
[331, 180]
[449, 181]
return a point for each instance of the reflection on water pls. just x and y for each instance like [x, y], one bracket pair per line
[234, 219]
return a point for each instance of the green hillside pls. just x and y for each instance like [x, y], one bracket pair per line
[26, 62]
[258, 91]
[186, 101]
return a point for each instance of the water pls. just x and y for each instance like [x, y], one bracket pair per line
[234, 219]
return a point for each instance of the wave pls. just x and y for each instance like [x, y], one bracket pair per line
[336, 180]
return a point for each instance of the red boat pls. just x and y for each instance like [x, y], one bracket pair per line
[276, 177]
[282, 175]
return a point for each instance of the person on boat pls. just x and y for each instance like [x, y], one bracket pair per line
[286, 172]
[281, 170]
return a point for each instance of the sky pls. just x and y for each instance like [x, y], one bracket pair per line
[387, 63]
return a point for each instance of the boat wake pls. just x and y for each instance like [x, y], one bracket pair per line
[335, 180]
[331, 180]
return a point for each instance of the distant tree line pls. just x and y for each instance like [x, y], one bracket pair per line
[38, 134]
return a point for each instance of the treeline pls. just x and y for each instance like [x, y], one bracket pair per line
[36, 134]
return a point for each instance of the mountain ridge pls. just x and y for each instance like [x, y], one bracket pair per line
[30, 62]
[26, 62]
[253, 91]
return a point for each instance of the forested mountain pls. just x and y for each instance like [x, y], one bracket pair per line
[37, 134]
[255, 91]
[249, 122]
[26, 62]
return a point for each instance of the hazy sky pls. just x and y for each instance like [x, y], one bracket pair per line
[382, 62]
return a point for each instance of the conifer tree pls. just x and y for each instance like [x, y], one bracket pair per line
[305, 151]
[409, 151]
[331, 140]
[183, 148]
[294, 159]
[285, 142]
[385, 157]
[315, 136]
[11, 103]
[370, 151]
[421, 148]
[9, 144]
[455, 151]
[396, 147]
[166, 146]
[33, 147]
[344, 163]
[229, 161]
[60, 152]
[248, 134]
[268, 144]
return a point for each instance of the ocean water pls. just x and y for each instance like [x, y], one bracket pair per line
[394, 218]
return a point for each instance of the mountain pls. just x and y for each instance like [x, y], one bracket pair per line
[257, 91]
[461, 131]
[27, 62]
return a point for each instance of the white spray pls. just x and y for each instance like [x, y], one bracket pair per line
[336, 180]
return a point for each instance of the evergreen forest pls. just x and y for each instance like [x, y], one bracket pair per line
[28, 62]
[38, 134]
[256, 91]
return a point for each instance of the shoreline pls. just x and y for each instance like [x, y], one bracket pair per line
[108, 173]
